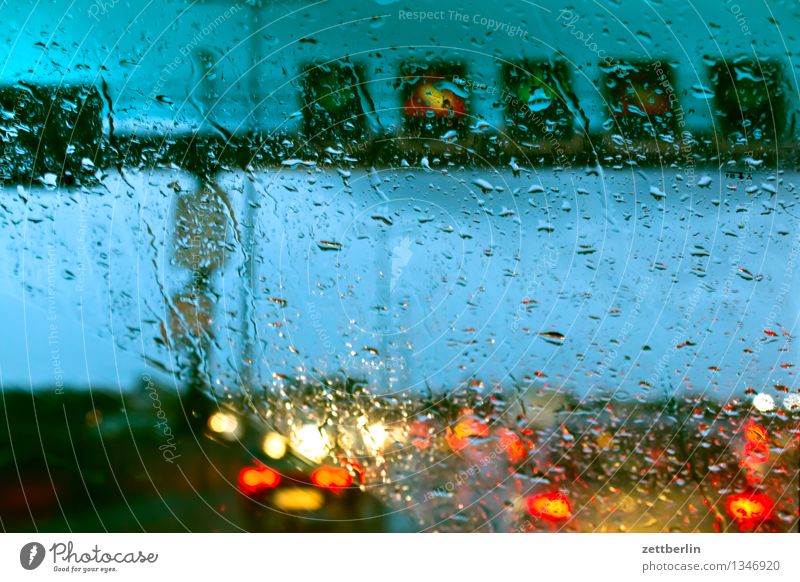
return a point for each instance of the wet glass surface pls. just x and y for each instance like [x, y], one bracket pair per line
[390, 266]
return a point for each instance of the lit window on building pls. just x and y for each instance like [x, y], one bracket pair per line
[435, 99]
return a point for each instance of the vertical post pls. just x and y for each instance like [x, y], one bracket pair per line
[247, 299]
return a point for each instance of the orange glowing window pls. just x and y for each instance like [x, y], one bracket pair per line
[749, 509]
[331, 478]
[258, 479]
[553, 506]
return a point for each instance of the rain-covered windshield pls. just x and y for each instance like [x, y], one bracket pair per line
[451, 266]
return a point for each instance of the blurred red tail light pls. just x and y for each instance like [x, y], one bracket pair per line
[331, 478]
[254, 480]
